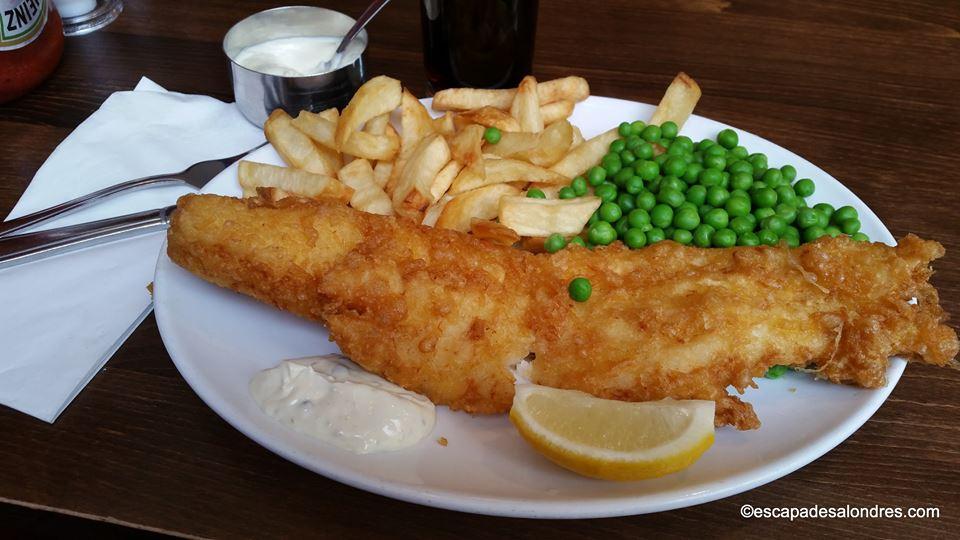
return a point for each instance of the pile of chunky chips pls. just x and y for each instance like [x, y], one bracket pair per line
[441, 172]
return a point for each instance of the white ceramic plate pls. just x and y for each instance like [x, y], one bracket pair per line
[219, 339]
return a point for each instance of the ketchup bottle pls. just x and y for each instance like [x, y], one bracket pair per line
[31, 43]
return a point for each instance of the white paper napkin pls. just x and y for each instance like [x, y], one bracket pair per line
[62, 318]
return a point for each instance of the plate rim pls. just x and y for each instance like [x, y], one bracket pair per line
[541, 509]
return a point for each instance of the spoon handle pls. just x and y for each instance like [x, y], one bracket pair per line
[362, 21]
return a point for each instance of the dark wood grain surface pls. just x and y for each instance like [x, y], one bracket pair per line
[865, 89]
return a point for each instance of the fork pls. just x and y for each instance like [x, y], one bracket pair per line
[195, 175]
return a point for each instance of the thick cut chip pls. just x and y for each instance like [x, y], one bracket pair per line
[367, 195]
[432, 213]
[585, 155]
[678, 101]
[462, 99]
[552, 144]
[445, 124]
[558, 110]
[377, 96]
[526, 106]
[481, 203]
[502, 171]
[415, 123]
[381, 172]
[444, 179]
[317, 127]
[369, 146]
[413, 188]
[378, 125]
[296, 182]
[487, 117]
[493, 232]
[297, 149]
[577, 138]
[511, 144]
[543, 217]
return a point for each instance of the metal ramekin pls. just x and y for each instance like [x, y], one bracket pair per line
[258, 94]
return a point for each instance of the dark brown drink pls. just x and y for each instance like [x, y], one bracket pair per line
[478, 43]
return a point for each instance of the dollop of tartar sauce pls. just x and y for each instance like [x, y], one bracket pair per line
[297, 56]
[330, 398]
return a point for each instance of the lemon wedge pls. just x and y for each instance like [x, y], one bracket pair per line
[612, 440]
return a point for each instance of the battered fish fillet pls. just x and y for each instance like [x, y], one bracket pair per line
[447, 315]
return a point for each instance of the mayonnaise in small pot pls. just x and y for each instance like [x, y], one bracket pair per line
[329, 398]
[298, 56]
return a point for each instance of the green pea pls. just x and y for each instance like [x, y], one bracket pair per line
[850, 226]
[677, 150]
[725, 180]
[675, 166]
[692, 172]
[579, 186]
[661, 215]
[710, 177]
[703, 210]
[643, 151]
[684, 141]
[621, 177]
[765, 198]
[627, 157]
[703, 235]
[626, 202]
[717, 218]
[824, 208]
[567, 192]
[775, 372]
[758, 160]
[741, 225]
[698, 157]
[618, 145]
[621, 227]
[697, 194]
[739, 152]
[669, 129]
[580, 289]
[682, 236]
[610, 212]
[686, 218]
[844, 213]
[492, 135]
[860, 237]
[748, 239]
[715, 151]
[763, 213]
[646, 200]
[822, 219]
[661, 159]
[686, 204]
[724, 238]
[637, 126]
[804, 187]
[672, 182]
[773, 177]
[833, 231]
[633, 185]
[647, 170]
[536, 194]
[757, 185]
[673, 197]
[655, 235]
[739, 193]
[633, 142]
[789, 172]
[728, 138]
[792, 237]
[634, 238]
[787, 212]
[768, 237]
[741, 180]
[807, 217]
[704, 144]
[638, 218]
[741, 166]
[624, 129]
[758, 173]
[612, 164]
[601, 233]
[717, 196]
[715, 162]
[554, 243]
[594, 217]
[786, 195]
[651, 133]
[737, 206]
[596, 175]
[812, 233]
[774, 223]
[606, 192]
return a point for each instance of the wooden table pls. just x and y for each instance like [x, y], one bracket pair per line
[865, 89]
